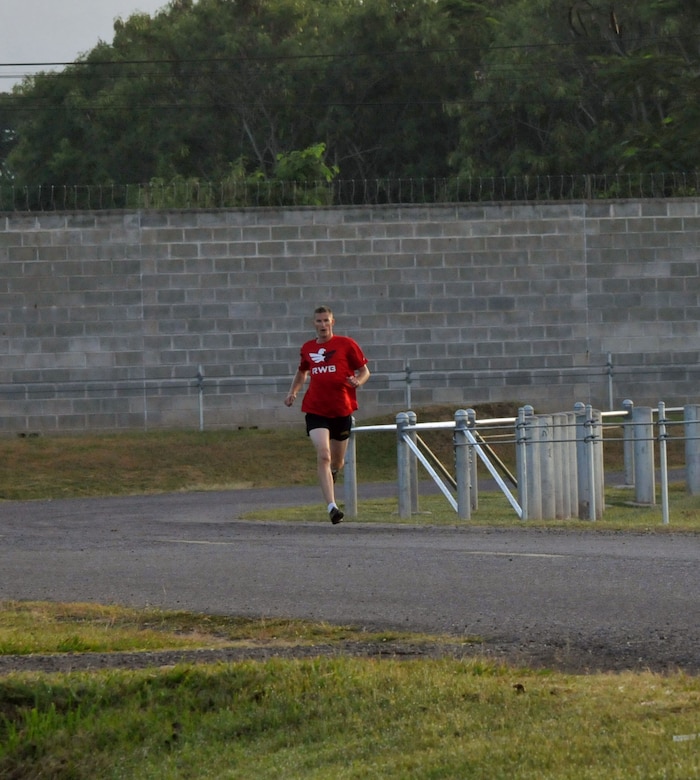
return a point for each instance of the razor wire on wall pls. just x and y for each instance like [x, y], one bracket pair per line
[347, 192]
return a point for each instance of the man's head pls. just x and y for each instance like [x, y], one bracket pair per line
[323, 323]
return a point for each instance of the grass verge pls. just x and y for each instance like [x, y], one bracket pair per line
[494, 510]
[44, 627]
[54, 467]
[325, 718]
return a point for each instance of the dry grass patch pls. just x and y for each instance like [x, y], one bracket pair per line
[45, 627]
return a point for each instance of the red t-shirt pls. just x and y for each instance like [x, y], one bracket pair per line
[329, 365]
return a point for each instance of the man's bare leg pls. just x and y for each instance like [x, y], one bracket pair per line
[338, 449]
[320, 438]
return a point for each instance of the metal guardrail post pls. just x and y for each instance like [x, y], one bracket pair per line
[598, 464]
[403, 456]
[562, 466]
[521, 461]
[583, 509]
[644, 478]
[573, 464]
[610, 369]
[473, 460]
[545, 447]
[691, 417]
[663, 462]
[528, 473]
[413, 464]
[590, 476]
[350, 476]
[628, 442]
[591, 463]
[534, 482]
[200, 387]
[462, 469]
[408, 386]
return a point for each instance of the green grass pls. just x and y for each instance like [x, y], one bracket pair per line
[168, 461]
[328, 718]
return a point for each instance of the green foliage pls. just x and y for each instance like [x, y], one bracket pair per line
[180, 96]
[307, 165]
[421, 89]
[585, 88]
[299, 178]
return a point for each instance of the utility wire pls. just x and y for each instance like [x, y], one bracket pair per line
[577, 43]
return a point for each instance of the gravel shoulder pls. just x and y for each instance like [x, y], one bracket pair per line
[586, 658]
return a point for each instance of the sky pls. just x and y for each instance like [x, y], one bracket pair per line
[57, 31]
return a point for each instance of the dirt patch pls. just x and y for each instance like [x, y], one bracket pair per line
[590, 657]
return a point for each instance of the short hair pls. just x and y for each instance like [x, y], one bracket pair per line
[323, 310]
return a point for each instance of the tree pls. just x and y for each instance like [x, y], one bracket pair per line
[203, 84]
[392, 89]
[584, 89]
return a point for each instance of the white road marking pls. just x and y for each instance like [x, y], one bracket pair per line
[464, 552]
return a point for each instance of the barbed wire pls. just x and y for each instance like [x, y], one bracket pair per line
[195, 194]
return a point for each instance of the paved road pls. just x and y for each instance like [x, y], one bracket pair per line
[597, 600]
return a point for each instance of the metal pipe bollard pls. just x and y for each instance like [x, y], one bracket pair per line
[473, 478]
[350, 476]
[663, 462]
[529, 494]
[200, 393]
[403, 459]
[585, 462]
[562, 466]
[545, 453]
[628, 442]
[463, 472]
[691, 416]
[413, 464]
[521, 461]
[573, 464]
[644, 478]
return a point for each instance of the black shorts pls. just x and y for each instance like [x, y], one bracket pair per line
[338, 427]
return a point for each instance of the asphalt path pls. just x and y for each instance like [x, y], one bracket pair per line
[579, 600]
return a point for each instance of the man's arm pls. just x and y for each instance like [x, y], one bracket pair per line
[297, 384]
[359, 377]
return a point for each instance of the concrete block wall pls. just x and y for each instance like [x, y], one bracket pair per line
[107, 317]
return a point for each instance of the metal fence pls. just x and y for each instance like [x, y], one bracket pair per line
[195, 194]
[559, 458]
[195, 399]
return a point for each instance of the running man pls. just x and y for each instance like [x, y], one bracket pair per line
[336, 367]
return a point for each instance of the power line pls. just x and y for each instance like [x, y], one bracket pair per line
[641, 41]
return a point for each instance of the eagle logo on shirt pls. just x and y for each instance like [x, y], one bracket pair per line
[322, 356]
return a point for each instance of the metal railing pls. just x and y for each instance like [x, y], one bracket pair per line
[200, 386]
[346, 192]
[559, 459]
